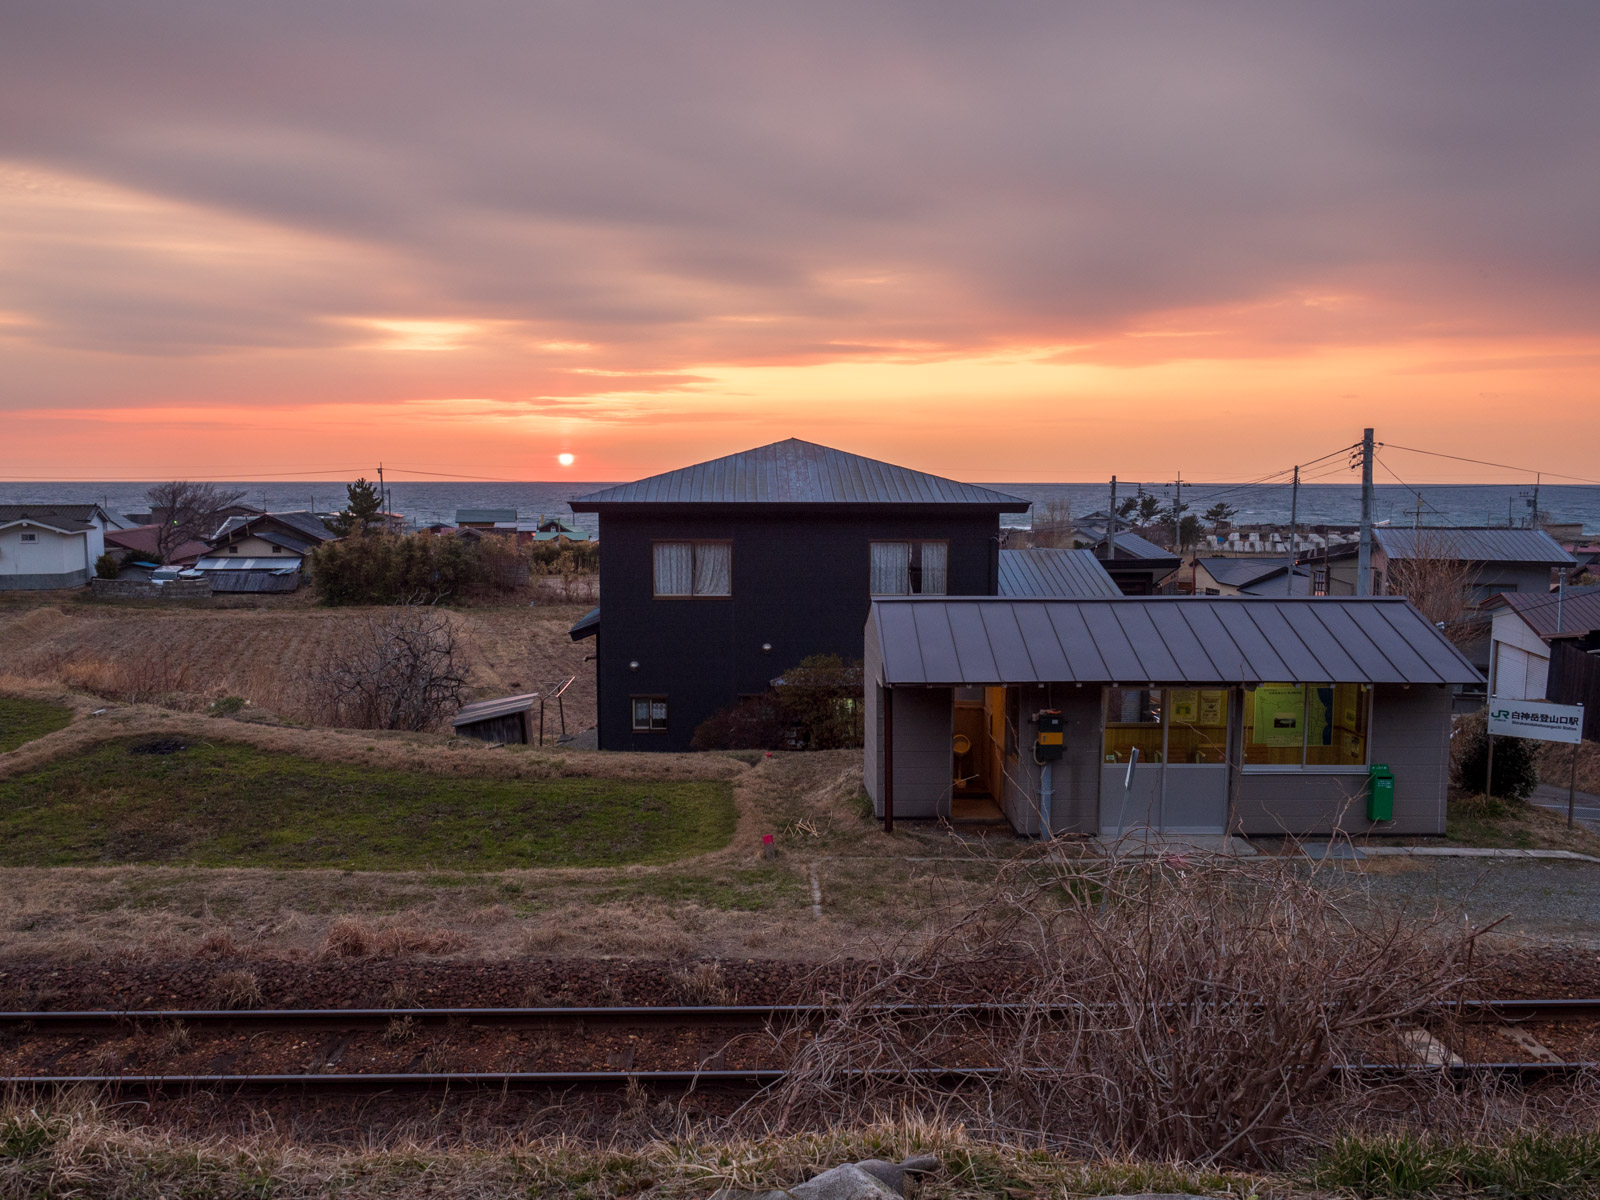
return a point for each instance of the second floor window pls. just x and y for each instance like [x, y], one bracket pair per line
[693, 568]
[910, 568]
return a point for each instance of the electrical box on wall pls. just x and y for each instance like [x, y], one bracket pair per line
[1051, 739]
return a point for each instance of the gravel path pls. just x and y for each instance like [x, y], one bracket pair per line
[1545, 901]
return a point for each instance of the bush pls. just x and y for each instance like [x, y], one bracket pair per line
[814, 706]
[108, 565]
[1516, 765]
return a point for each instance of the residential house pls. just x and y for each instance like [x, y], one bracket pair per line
[1496, 559]
[50, 545]
[1251, 577]
[142, 544]
[1526, 627]
[1168, 715]
[720, 576]
[272, 543]
[1139, 566]
[484, 519]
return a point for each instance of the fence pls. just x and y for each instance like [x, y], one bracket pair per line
[1575, 679]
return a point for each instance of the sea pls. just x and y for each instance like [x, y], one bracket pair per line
[1320, 503]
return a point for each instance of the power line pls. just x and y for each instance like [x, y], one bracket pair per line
[1485, 463]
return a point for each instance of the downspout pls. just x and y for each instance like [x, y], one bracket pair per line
[888, 759]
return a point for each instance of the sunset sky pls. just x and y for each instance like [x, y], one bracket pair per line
[995, 240]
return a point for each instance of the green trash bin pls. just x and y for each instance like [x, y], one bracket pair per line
[1380, 793]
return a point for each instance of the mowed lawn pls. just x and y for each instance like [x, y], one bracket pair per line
[23, 720]
[220, 804]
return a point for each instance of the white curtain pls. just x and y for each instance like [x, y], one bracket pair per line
[713, 569]
[674, 568]
[891, 568]
[935, 568]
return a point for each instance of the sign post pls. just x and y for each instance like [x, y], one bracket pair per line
[1544, 722]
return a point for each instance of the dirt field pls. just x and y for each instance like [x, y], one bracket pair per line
[186, 658]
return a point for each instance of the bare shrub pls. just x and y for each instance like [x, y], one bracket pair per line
[235, 989]
[1158, 1008]
[402, 668]
[184, 511]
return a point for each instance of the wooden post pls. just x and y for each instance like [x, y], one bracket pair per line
[1488, 774]
[1572, 786]
[888, 759]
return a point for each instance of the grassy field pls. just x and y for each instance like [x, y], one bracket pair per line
[220, 804]
[23, 720]
[1513, 825]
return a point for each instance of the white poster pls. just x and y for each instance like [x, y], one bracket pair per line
[1536, 719]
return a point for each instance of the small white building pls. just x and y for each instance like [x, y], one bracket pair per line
[46, 546]
[1524, 628]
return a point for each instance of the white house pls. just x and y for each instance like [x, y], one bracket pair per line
[50, 545]
[1526, 625]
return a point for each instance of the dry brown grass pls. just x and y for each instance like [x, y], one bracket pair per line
[186, 659]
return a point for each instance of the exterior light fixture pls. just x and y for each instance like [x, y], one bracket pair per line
[766, 647]
[634, 665]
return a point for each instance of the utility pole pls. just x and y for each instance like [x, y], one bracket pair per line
[1294, 523]
[1364, 555]
[1111, 524]
[1177, 515]
[383, 498]
[1534, 524]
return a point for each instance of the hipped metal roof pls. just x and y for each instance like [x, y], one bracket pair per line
[796, 472]
[1467, 545]
[1054, 572]
[1201, 640]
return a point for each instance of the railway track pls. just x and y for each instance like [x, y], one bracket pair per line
[707, 1073]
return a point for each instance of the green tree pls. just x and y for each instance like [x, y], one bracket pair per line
[1126, 508]
[1516, 766]
[1149, 508]
[363, 510]
[1189, 532]
[1220, 512]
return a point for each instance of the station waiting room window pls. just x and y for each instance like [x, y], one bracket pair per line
[1176, 725]
[1307, 725]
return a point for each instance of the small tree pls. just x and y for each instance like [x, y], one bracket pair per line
[815, 706]
[363, 510]
[1149, 508]
[1516, 765]
[108, 565]
[1436, 582]
[1052, 525]
[401, 669]
[1221, 512]
[186, 512]
[1189, 532]
[1128, 506]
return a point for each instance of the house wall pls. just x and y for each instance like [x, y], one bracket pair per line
[1410, 732]
[251, 546]
[923, 758]
[1075, 777]
[1519, 659]
[800, 583]
[56, 560]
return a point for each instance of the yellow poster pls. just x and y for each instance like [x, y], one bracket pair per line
[1185, 706]
[1213, 707]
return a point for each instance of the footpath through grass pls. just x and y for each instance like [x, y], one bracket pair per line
[221, 804]
[24, 720]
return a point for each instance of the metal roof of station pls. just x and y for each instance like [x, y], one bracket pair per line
[1200, 640]
[1048, 571]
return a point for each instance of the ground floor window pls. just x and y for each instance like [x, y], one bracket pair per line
[649, 714]
[1176, 725]
[1307, 725]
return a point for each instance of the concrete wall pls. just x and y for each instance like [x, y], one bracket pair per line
[145, 589]
[1410, 732]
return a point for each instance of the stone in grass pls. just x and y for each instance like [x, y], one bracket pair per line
[872, 1179]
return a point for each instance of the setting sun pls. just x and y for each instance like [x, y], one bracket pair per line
[565, 460]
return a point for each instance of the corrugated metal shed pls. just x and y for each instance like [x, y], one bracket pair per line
[796, 472]
[1579, 610]
[1052, 572]
[1201, 640]
[1474, 545]
[502, 706]
[264, 582]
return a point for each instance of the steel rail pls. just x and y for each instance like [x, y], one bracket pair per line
[687, 1080]
[720, 1014]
